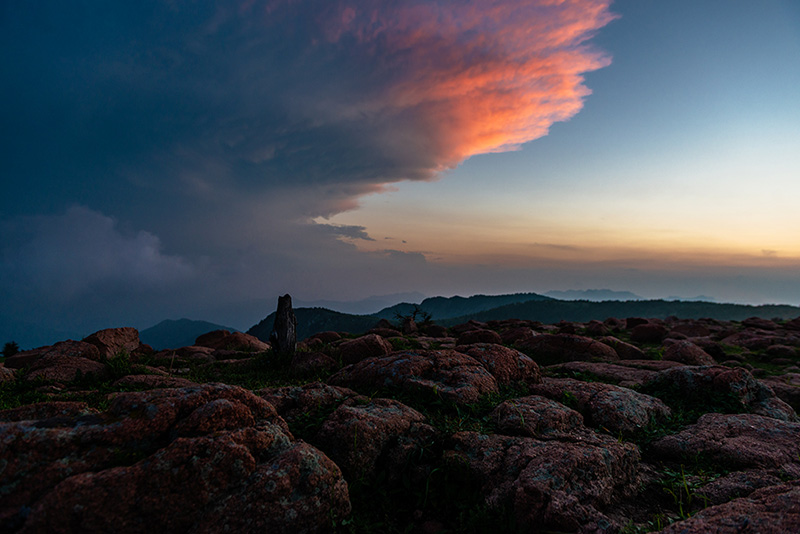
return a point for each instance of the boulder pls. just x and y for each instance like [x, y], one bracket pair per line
[6, 374]
[611, 373]
[688, 353]
[786, 387]
[557, 348]
[292, 402]
[360, 436]
[547, 485]
[46, 410]
[152, 382]
[505, 364]
[690, 329]
[113, 341]
[311, 363]
[25, 358]
[736, 388]
[633, 322]
[649, 333]
[739, 441]
[612, 409]
[364, 347]
[536, 417]
[760, 323]
[516, 334]
[479, 336]
[327, 336]
[231, 341]
[444, 374]
[625, 351]
[64, 363]
[770, 510]
[205, 459]
[738, 484]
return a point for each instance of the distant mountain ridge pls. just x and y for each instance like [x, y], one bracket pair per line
[171, 334]
[449, 311]
[595, 295]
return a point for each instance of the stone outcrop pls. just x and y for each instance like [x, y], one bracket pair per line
[207, 459]
[547, 349]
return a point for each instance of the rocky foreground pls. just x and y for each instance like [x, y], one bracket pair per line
[630, 425]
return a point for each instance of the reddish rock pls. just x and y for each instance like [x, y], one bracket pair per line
[25, 358]
[760, 323]
[113, 341]
[364, 347]
[690, 330]
[794, 324]
[356, 436]
[688, 353]
[547, 485]
[505, 364]
[310, 363]
[184, 356]
[782, 351]
[326, 337]
[153, 381]
[438, 373]
[612, 409]
[211, 339]
[786, 387]
[596, 328]
[204, 459]
[771, 510]
[536, 417]
[63, 365]
[614, 324]
[751, 340]
[435, 331]
[514, 335]
[296, 401]
[737, 484]
[472, 324]
[649, 333]
[633, 322]
[46, 410]
[479, 336]
[557, 348]
[6, 374]
[236, 341]
[736, 441]
[697, 384]
[625, 351]
[606, 372]
[386, 332]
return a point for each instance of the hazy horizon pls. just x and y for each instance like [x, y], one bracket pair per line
[188, 159]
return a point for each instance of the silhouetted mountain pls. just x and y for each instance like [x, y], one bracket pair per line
[594, 295]
[441, 308]
[367, 306]
[171, 334]
[313, 320]
[582, 311]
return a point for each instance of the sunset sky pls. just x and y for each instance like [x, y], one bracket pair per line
[166, 159]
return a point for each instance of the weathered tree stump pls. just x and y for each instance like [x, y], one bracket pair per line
[284, 332]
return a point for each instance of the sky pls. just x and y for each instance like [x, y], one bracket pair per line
[175, 158]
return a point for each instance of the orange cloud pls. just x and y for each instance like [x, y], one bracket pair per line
[477, 77]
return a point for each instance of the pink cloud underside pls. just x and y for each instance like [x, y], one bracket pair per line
[476, 77]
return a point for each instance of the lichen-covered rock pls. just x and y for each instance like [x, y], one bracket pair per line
[294, 401]
[447, 374]
[310, 363]
[737, 484]
[64, 363]
[738, 388]
[204, 459]
[371, 345]
[735, 441]
[557, 348]
[479, 336]
[786, 387]
[554, 485]
[688, 353]
[605, 407]
[505, 364]
[113, 341]
[153, 381]
[770, 510]
[536, 417]
[690, 329]
[46, 410]
[612, 373]
[6, 374]
[357, 435]
[625, 351]
[649, 333]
